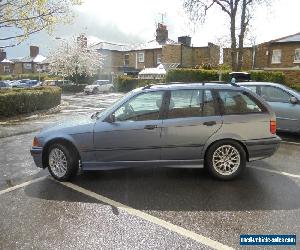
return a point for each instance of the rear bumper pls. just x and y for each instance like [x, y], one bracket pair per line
[36, 153]
[262, 148]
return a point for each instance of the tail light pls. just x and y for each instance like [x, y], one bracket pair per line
[35, 142]
[273, 127]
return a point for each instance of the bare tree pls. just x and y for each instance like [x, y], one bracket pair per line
[21, 18]
[239, 12]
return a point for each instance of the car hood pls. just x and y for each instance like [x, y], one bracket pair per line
[78, 125]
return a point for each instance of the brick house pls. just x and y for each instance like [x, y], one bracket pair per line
[282, 54]
[130, 59]
[34, 63]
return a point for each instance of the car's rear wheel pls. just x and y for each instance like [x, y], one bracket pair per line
[63, 162]
[225, 160]
[95, 91]
[111, 89]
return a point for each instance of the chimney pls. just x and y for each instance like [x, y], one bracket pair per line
[82, 41]
[34, 51]
[161, 33]
[2, 55]
[185, 40]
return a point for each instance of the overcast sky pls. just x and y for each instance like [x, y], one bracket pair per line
[133, 21]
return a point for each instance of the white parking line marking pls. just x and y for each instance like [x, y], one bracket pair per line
[24, 184]
[167, 225]
[276, 172]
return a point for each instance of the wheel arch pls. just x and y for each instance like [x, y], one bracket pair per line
[60, 140]
[226, 139]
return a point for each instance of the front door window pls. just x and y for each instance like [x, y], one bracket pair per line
[145, 106]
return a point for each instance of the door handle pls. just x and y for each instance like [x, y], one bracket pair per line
[210, 123]
[150, 127]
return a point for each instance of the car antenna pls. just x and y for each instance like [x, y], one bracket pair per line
[232, 82]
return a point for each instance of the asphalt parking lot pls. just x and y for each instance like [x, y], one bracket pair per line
[140, 208]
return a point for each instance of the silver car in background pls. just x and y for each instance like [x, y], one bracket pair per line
[283, 100]
[99, 86]
[217, 126]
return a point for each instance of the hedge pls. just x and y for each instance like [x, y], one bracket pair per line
[195, 75]
[267, 76]
[126, 83]
[22, 101]
[73, 88]
[200, 75]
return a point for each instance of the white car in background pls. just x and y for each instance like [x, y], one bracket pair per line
[99, 86]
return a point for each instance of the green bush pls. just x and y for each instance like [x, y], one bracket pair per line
[125, 83]
[295, 86]
[76, 88]
[22, 101]
[195, 75]
[267, 76]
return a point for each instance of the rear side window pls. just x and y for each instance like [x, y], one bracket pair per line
[191, 103]
[236, 102]
[273, 94]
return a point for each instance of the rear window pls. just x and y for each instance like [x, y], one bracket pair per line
[236, 102]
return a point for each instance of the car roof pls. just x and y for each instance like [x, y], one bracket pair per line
[288, 89]
[205, 85]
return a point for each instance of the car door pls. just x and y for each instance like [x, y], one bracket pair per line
[135, 135]
[287, 114]
[191, 119]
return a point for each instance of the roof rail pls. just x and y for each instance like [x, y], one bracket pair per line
[147, 87]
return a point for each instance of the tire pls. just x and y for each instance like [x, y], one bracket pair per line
[68, 161]
[111, 89]
[95, 91]
[220, 165]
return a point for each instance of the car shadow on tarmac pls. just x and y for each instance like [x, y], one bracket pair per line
[167, 189]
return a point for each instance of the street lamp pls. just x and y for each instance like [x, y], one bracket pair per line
[67, 44]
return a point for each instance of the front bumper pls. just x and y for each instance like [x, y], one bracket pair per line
[262, 148]
[37, 154]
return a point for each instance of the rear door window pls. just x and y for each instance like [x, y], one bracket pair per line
[191, 103]
[237, 102]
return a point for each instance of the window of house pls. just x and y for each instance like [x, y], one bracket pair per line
[191, 103]
[158, 59]
[6, 69]
[236, 102]
[276, 56]
[126, 59]
[297, 56]
[27, 65]
[143, 107]
[141, 57]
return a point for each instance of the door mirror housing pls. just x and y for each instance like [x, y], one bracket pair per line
[293, 100]
[111, 118]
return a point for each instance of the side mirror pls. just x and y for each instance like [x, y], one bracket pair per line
[111, 118]
[293, 100]
[94, 115]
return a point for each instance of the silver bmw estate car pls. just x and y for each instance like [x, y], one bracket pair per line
[219, 127]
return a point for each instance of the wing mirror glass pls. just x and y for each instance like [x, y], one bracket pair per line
[293, 100]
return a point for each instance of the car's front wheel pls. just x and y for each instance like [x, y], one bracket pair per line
[225, 160]
[63, 162]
